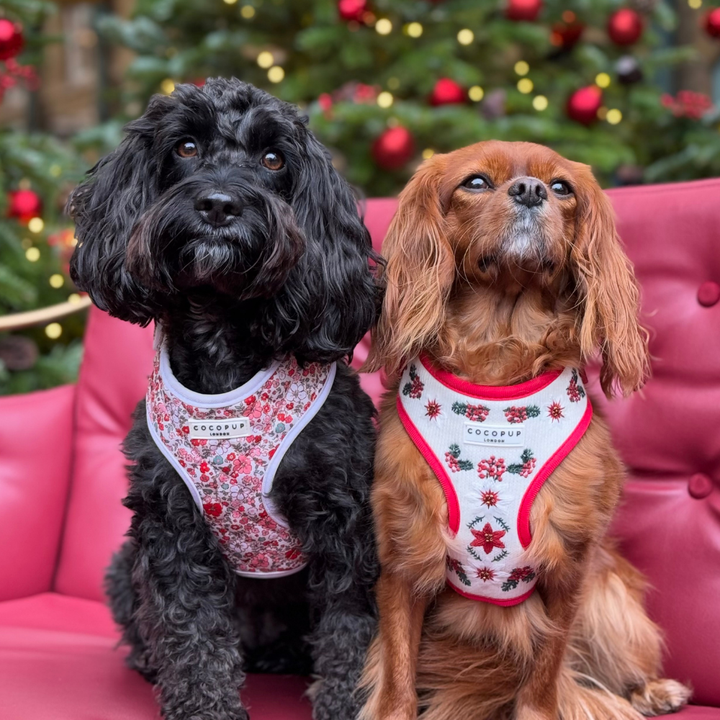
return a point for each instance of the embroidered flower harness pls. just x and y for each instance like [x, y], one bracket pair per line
[227, 449]
[491, 448]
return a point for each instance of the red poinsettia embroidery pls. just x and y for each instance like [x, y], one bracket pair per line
[432, 409]
[555, 411]
[521, 414]
[489, 498]
[487, 538]
[492, 468]
[486, 573]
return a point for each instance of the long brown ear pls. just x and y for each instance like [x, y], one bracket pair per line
[419, 272]
[609, 293]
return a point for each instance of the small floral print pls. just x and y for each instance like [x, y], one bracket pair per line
[575, 390]
[432, 409]
[525, 574]
[492, 468]
[452, 458]
[485, 574]
[516, 414]
[415, 387]
[555, 411]
[489, 498]
[487, 538]
[476, 413]
[228, 473]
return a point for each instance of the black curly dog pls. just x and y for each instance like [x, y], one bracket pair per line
[221, 216]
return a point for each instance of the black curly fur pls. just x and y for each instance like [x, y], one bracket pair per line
[290, 275]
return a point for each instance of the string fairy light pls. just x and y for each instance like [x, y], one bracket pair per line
[383, 26]
[265, 59]
[53, 330]
[56, 281]
[602, 80]
[476, 93]
[465, 36]
[522, 68]
[525, 86]
[414, 29]
[613, 116]
[276, 74]
[35, 225]
[247, 11]
[540, 103]
[32, 254]
[385, 99]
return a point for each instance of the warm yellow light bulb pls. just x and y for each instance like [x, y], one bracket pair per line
[383, 26]
[476, 93]
[525, 86]
[276, 74]
[56, 281]
[32, 254]
[522, 68]
[36, 225]
[465, 36]
[247, 11]
[540, 103]
[695, 4]
[602, 80]
[414, 29]
[265, 59]
[167, 86]
[427, 153]
[53, 330]
[74, 298]
[229, 2]
[385, 99]
[613, 116]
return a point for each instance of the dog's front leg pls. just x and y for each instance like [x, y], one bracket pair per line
[538, 697]
[185, 612]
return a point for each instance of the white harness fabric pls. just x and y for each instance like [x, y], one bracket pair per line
[491, 448]
[227, 449]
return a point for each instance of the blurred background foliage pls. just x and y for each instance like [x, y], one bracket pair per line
[624, 85]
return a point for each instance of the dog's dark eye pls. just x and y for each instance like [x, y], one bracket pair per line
[273, 160]
[187, 149]
[559, 187]
[477, 182]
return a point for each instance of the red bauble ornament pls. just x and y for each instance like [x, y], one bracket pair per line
[625, 27]
[11, 39]
[523, 9]
[712, 23]
[393, 148]
[447, 92]
[352, 10]
[583, 104]
[24, 204]
[566, 34]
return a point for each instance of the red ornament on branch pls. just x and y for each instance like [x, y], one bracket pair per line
[11, 39]
[567, 34]
[583, 104]
[712, 23]
[352, 10]
[447, 92]
[24, 204]
[625, 27]
[393, 148]
[527, 10]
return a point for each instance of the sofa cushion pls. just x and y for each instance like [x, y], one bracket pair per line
[668, 434]
[35, 453]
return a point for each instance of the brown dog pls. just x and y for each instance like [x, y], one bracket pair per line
[504, 268]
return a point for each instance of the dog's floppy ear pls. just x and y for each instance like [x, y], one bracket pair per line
[418, 275]
[608, 292]
[331, 295]
[105, 208]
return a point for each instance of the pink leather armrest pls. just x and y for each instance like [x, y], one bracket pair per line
[35, 456]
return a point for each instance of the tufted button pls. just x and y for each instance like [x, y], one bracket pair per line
[700, 486]
[708, 293]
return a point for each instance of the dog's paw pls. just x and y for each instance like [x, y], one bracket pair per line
[660, 697]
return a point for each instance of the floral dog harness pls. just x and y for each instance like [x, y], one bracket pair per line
[227, 449]
[491, 448]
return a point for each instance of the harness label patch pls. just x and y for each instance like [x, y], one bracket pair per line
[505, 435]
[223, 428]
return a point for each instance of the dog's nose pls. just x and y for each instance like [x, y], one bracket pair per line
[218, 208]
[528, 191]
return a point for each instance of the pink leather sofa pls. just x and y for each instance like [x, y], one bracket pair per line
[61, 481]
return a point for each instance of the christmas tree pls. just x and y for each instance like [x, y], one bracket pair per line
[387, 82]
[36, 171]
